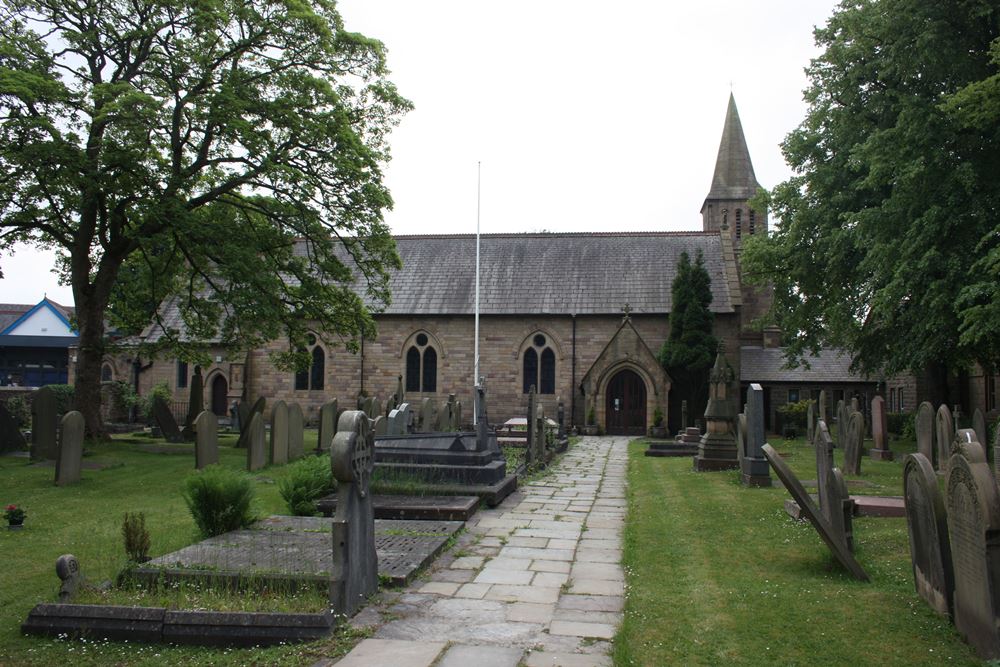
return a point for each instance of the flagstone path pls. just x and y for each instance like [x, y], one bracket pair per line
[535, 581]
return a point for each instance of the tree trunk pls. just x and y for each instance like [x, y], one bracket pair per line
[90, 356]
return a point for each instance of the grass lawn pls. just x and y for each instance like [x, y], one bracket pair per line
[85, 520]
[719, 574]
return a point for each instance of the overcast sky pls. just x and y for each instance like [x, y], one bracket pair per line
[586, 116]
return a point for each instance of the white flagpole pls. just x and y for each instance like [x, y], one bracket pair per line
[475, 371]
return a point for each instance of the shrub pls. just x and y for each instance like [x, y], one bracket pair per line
[899, 423]
[64, 397]
[20, 410]
[794, 414]
[145, 403]
[657, 417]
[591, 418]
[219, 499]
[136, 537]
[307, 481]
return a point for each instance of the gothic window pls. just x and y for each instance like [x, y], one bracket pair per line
[753, 222]
[739, 223]
[182, 374]
[421, 365]
[313, 377]
[541, 375]
[106, 374]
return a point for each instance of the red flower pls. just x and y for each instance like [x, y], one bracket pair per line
[12, 507]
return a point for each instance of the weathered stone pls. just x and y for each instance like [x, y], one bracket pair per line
[43, 425]
[927, 525]
[296, 432]
[717, 448]
[925, 430]
[380, 426]
[68, 571]
[755, 469]
[855, 406]
[741, 436]
[824, 464]
[279, 434]
[812, 513]
[457, 419]
[256, 447]
[880, 431]
[327, 426]
[399, 420]
[945, 433]
[842, 418]
[355, 562]
[428, 415]
[821, 414]
[256, 409]
[811, 421]
[443, 422]
[973, 522]
[855, 434]
[979, 426]
[841, 508]
[11, 438]
[70, 459]
[196, 399]
[165, 420]
[531, 443]
[206, 446]
[684, 415]
[243, 408]
[376, 408]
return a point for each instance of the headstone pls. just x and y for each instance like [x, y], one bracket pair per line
[296, 432]
[279, 433]
[822, 407]
[68, 571]
[399, 420]
[244, 409]
[973, 523]
[855, 436]
[43, 424]
[927, 525]
[684, 415]
[355, 564]
[451, 408]
[206, 443]
[235, 417]
[741, 436]
[400, 396]
[811, 422]
[256, 447]
[925, 430]
[196, 399]
[824, 464]
[165, 420]
[256, 409]
[842, 417]
[755, 469]
[70, 459]
[979, 426]
[327, 426]
[443, 423]
[717, 448]
[841, 508]
[880, 431]
[540, 432]
[428, 415]
[391, 404]
[532, 426]
[855, 406]
[816, 518]
[375, 405]
[944, 434]
[380, 426]
[11, 438]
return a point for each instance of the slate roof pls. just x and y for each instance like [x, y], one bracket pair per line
[733, 177]
[10, 312]
[758, 364]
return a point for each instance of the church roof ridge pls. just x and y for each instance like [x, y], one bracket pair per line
[495, 235]
[734, 177]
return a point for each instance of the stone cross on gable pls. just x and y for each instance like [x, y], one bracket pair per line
[627, 309]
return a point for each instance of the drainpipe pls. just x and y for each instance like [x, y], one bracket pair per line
[362, 364]
[572, 398]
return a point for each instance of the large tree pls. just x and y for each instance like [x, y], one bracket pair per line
[889, 236]
[225, 155]
[690, 349]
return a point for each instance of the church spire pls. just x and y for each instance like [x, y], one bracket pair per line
[734, 177]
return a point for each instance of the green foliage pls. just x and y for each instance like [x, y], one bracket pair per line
[903, 424]
[306, 481]
[20, 410]
[888, 240]
[64, 394]
[145, 403]
[219, 499]
[136, 536]
[591, 417]
[657, 417]
[795, 414]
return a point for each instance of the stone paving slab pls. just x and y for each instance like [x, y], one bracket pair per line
[395, 652]
[481, 656]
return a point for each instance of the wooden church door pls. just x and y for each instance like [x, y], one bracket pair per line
[625, 409]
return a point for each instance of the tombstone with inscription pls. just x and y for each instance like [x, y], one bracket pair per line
[855, 435]
[924, 422]
[279, 433]
[43, 425]
[944, 434]
[755, 470]
[979, 426]
[196, 399]
[457, 418]
[811, 422]
[927, 526]
[380, 426]
[327, 426]
[296, 432]
[70, 459]
[532, 425]
[717, 449]
[973, 523]
[11, 438]
[824, 464]
[206, 442]
[841, 505]
[855, 405]
[842, 418]
[355, 563]
[821, 408]
[428, 415]
[256, 447]
[880, 431]
[256, 409]
[443, 422]
[399, 420]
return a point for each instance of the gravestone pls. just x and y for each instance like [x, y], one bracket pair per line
[741, 436]
[392, 403]
[717, 448]
[684, 415]
[880, 431]
[812, 513]
[973, 523]
[355, 564]
[206, 442]
[400, 395]
[327, 426]
[243, 408]
[380, 426]
[11, 438]
[428, 415]
[540, 432]
[43, 425]
[375, 405]
[256, 409]
[443, 422]
[70, 459]
[399, 420]
[256, 447]
[925, 430]
[824, 464]
[855, 436]
[979, 426]
[450, 410]
[754, 466]
[811, 422]
[457, 419]
[68, 571]
[196, 399]
[944, 434]
[841, 513]
[842, 418]
[855, 406]
[927, 526]
[532, 426]
[822, 407]
[279, 433]
[296, 432]
[165, 420]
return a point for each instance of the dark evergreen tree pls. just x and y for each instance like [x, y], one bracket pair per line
[689, 352]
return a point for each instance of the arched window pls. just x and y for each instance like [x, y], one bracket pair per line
[541, 375]
[106, 374]
[312, 378]
[421, 365]
[753, 222]
[739, 223]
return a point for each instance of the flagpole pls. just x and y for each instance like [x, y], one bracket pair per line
[475, 370]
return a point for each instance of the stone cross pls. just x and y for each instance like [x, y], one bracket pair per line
[925, 430]
[43, 424]
[717, 448]
[256, 451]
[855, 435]
[296, 432]
[927, 526]
[206, 442]
[355, 563]
[532, 427]
[756, 472]
[945, 433]
[627, 310]
[279, 433]
[880, 431]
[70, 459]
[327, 426]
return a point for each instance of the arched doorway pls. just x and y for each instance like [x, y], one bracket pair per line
[220, 391]
[626, 404]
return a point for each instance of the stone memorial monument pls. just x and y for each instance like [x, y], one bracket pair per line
[43, 425]
[279, 434]
[256, 447]
[355, 564]
[717, 449]
[944, 434]
[256, 409]
[380, 426]
[296, 432]
[811, 422]
[206, 444]
[428, 416]
[70, 460]
[842, 418]
[165, 420]
[399, 420]
[927, 525]
[196, 400]
[755, 470]
[821, 414]
[841, 505]
[824, 464]
[457, 419]
[880, 431]
[855, 435]
[327, 426]
[925, 430]
[979, 426]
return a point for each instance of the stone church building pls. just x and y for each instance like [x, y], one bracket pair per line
[579, 316]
